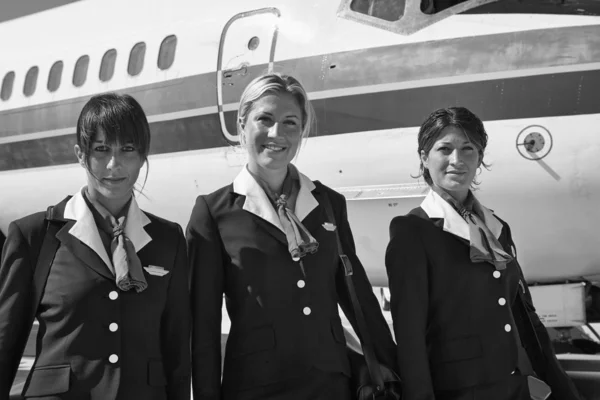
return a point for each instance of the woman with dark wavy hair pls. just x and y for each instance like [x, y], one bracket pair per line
[114, 318]
[462, 312]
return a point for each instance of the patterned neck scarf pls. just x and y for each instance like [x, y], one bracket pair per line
[126, 265]
[484, 247]
[300, 241]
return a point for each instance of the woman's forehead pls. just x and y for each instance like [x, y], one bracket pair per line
[453, 134]
[122, 137]
[277, 102]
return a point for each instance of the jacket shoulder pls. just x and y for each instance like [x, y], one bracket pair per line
[32, 225]
[163, 224]
[334, 196]
[416, 216]
[217, 198]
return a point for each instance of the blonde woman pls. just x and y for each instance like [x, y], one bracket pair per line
[263, 241]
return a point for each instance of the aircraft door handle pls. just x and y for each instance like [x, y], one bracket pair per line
[241, 70]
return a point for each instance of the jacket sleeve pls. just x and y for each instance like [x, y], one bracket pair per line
[381, 336]
[408, 273]
[561, 385]
[207, 285]
[16, 277]
[176, 327]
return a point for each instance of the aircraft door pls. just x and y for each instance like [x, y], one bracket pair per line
[246, 50]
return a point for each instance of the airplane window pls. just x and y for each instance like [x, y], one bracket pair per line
[435, 6]
[136, 59]
[166, 55]
[30, 81]
[55, 76]
[7, 85]
[107, 66]
[389, 10]
[81, 69]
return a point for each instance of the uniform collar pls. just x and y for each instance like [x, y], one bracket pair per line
[436, 207]
[85, 228]
[258, 203]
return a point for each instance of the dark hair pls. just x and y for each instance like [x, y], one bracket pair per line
[440, 119]
[121, 118]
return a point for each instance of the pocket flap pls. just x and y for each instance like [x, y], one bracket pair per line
[254, 341]
[456, 349]
[156, 373]
[48, 380]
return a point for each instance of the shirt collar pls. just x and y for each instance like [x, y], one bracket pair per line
[258, 203]
[85, 228]
[436, 207]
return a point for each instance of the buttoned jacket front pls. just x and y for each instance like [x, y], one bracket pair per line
[283, 321]
[453, 318]
[96, 341]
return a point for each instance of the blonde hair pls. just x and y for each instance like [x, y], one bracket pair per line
[275, 83]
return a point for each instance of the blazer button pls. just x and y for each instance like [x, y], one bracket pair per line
[301, 283]
[113, 295]
[496, 274]
[507, 328]
[307, 311]
[113, 327]
[502, 301]
[113, 358]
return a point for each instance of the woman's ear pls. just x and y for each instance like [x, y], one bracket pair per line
[424, 158]
[80, 155]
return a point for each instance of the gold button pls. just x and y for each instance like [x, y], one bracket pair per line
[502, 301]
[301, 283]
[307, 311]
[113, 358]
[507, 328]
[496, 274]
[113, 327]
[113, 295]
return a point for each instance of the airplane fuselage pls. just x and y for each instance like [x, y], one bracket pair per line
[533, 79]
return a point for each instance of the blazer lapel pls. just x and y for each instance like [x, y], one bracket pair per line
[88, 256]
[436, 207]
[273, 230]
[445, 216]
[315, 218]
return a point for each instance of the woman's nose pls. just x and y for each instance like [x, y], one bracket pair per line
[114, 161]
[275, 130]
[455, 157]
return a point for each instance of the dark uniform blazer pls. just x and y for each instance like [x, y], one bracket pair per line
[95, 341]
[452, 317]
[282, 322]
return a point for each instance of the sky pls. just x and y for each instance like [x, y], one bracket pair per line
[11, 9]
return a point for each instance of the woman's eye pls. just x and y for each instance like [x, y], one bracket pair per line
[128, 148]
[101, 149]
[290, 123]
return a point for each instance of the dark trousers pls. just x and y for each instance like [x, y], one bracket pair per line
[512, 388]
[314, 385]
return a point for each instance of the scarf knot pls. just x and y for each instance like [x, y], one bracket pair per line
[119, 229]
[281, 201]
[300, 241]
[126, 265]
[484, 246]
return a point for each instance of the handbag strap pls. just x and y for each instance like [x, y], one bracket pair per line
[365, 337]
[44, 262]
